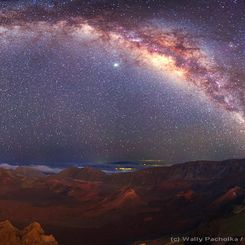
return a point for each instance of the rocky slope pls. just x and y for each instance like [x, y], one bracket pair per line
[31, 235]
[88, 207]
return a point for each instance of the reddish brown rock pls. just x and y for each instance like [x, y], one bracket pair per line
[31, 235]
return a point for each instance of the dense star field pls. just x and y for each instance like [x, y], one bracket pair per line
[106, 80]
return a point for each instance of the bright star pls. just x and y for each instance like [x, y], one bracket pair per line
[116, 65]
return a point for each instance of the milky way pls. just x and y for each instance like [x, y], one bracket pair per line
[189, 57]
[178, 54]
[175, 52]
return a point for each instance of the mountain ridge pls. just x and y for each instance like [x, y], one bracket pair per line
[87, 206]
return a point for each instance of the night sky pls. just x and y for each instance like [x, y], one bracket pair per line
[105, 80]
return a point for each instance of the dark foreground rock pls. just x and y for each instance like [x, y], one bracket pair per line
[31, 235]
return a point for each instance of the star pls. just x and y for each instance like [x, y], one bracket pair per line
[116, 65]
